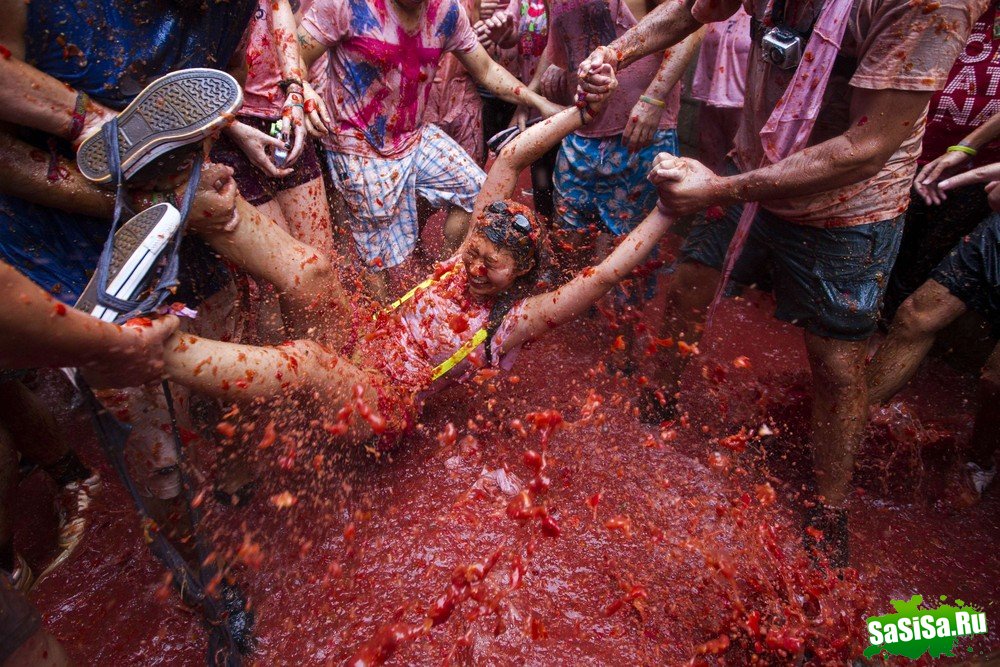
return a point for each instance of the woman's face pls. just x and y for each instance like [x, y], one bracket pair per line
[490, 268]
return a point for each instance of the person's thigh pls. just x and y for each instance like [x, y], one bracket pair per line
[445, 173]
[307, 211]
[710, 241]
[831, 281]
[19, 621]
[971, 271]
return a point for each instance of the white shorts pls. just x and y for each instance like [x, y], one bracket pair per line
[381, 193]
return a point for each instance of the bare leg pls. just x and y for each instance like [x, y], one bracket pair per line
[689, 294]
[926, 312]
[31, 425]
[839, 412]
[310, 291]
[307, 211]
[243, 372]
[986, 432]
[456, 227]
[41, 650]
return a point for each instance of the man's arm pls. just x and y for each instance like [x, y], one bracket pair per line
[502, 83]
[38, 331]
[31, 98]
[660, 29]
[880, 121]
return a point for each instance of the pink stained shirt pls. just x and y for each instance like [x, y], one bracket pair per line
[531, 22]
[721, 70]
[580, 26]
[379, 74]
[261, 95]
[898, 45]
[430, 327]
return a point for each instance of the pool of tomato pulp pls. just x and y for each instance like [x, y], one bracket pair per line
[533, 518]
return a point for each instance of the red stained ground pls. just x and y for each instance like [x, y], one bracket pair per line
[671, 548]
[682, 555]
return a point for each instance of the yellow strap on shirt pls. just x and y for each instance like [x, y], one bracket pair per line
[462, 352]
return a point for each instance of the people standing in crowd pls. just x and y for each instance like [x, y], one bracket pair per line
[832, 172]
[956, 139]
[382, 61]
[718, 84]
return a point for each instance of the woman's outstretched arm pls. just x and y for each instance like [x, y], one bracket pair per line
[546, 311]
[534, 142]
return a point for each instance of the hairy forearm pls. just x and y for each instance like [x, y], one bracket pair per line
[38, 331]
[983, 134]
[505, 85]
[832, 164]
[31, 98]
[662, 28]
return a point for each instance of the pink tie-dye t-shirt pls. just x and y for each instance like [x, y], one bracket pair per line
[379, 73]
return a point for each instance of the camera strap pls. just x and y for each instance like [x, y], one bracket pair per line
[779, 8]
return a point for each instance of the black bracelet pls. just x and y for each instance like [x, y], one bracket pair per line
[284, 84]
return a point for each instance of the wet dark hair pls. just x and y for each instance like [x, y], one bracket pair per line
[514, 227]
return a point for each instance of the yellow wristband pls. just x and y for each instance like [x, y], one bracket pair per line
[959, 148]
[652, 100]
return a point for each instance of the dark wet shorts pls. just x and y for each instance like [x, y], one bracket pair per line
[59, 251]
[971, 271]
[830, 281]
[256, 186]
[18, 619]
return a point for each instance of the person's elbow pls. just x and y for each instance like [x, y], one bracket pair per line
[865, 159]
